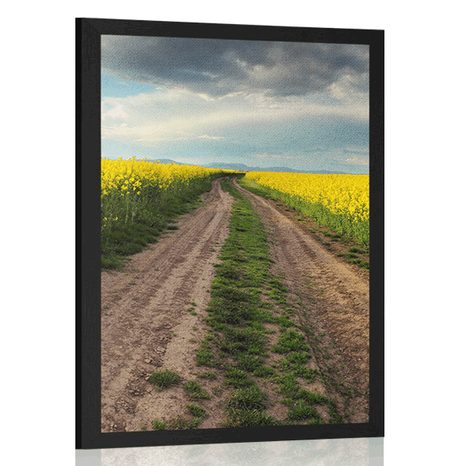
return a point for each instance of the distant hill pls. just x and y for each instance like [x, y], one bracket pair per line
[243, 167]
[228, 166]
[246, 168]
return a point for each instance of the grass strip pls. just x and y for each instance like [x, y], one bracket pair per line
[238, 342]
[164, 379]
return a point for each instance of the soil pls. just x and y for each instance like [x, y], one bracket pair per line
[153, 314]
[331, 298]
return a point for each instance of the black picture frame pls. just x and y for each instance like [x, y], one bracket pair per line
[88, 155]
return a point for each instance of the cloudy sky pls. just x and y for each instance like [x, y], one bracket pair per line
[297, 105]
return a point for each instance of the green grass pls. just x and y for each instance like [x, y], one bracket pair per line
[358, 250]
[295, 362]
[155, 213]
[158, 424]
[249, 418]
[248, 398]
[237, 378]
[196, 411]
[177, 423]
[208, 375]
[288, 384]
[301, 402]
[300, 410]
[264, 372]
[236, 315]
[197, 415]
[341, 225]
[238, 343]
[164, 378]
[195, 391]
[205, 356]
[290, 341]
[182, 423]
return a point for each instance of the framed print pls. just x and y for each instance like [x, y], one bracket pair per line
[229, 233]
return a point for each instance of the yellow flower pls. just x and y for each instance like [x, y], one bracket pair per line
[340, 194]
[123, 176]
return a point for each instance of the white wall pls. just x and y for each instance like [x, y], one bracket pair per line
[425, 126]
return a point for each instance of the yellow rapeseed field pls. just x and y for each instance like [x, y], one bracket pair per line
[132, 176]
[340, 202]
[341, 194]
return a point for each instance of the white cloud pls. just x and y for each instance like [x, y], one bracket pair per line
[271, 156]
[356, 160]
[208, 137]
[174, 114]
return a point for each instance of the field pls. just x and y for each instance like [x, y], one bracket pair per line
[139, 199]
[235, 314]
[340, 202]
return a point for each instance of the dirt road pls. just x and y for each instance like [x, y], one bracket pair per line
[147, 315]
[332, 302]
[154, 311]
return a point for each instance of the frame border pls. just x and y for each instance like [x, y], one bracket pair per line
[88, 154]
